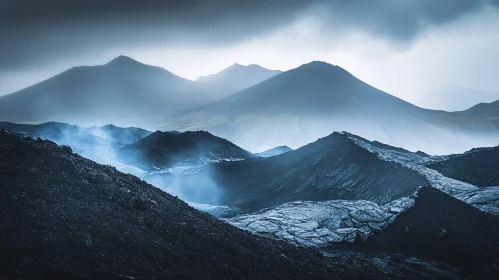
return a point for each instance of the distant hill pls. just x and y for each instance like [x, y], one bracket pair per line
[235, 78]
[486, 111]
[455, 98]
[169, 149]
[300, 105]
[478, 167]
[72, 135]
[334, 167]
[122, 91]
[62, 133]
[274, 151]
[123, 135]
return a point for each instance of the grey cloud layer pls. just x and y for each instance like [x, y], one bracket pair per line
[33, 31]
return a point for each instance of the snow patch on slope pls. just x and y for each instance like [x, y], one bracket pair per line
[415, 162]
[485, 199]
[318, 223]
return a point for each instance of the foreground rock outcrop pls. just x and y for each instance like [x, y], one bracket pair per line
[65, 217]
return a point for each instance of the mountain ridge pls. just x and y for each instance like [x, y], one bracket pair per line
[445, 229]
[333, 167]
[235, 78]
[166, 149]
[300, 105]
[122, 91]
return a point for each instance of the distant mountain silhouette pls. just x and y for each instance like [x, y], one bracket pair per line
[298, 106]
[334, 167]
[62, 133]
[67, 134]
[167, 149]
[122, 91]
[274, 151]
[235, 78]
[486, 111]
[478, 167]
[454, 98]
[123, 135]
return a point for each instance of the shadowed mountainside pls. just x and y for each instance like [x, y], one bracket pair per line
[63, 216]
[333, 167]
[122, 91]
[298, 106]
[235, 78]
[478, 167]
[444, 229]
[166, 149]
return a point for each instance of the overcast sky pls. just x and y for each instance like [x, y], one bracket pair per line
[408, 48]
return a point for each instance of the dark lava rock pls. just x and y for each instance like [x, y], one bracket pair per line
[333, 167]
[477, 166]
[66, 217]
[446, 230]
[164, 149]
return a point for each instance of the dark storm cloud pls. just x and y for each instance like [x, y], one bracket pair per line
[33, 31]
[396, 19]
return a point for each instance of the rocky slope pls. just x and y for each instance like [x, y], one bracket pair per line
[172, 149]
[444, 229]
[430, 227]
[96, 143]
[334, 167]
[477, 167]
[63, 216]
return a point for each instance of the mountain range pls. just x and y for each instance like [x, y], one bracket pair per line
[123, 91]
[300, 105]
[269, 109]
[66, 217]
[92, 222]
[356, 191]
